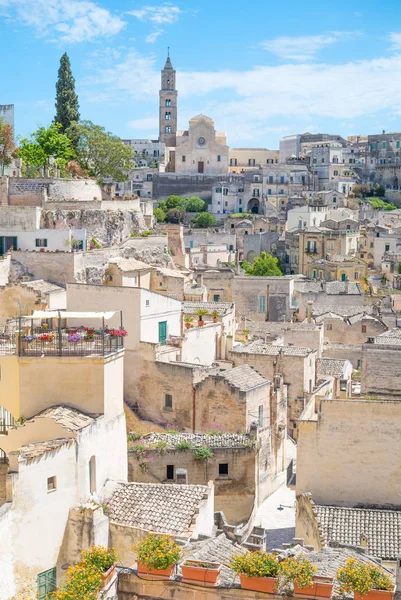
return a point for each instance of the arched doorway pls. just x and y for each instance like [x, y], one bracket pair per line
[254, 206]
[250, 256]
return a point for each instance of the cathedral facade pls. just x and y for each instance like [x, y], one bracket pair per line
[199, 150]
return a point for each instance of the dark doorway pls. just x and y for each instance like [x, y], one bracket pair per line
[201, 167]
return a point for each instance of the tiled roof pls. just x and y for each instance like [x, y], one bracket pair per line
[225, 440]
[276, 327]
[328, 315]
[194, 290]
[356, 318]
[381, 527]
[339, 287]
[260, 347]
[388, 338]
[70, 418]
[219, 549]
[331, 366]
[343, 311]
[37, 449]
[244, 378]
[42, 286]
[130, 264]
[222, 308]
[157, 507]
[170, 272]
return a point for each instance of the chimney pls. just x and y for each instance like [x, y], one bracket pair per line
[309, 309]
[398, 574]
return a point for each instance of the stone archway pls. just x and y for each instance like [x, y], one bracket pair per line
[254, 206]
[251, 256]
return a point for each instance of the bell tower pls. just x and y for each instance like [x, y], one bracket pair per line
[168, 105]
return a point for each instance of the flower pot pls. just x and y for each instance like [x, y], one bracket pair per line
[201, 323]
[259, 584]
[109, 575]
[376, 595]
[214, 320]
[195, 572]
[155, 573]
[187, 325]
[321, 587]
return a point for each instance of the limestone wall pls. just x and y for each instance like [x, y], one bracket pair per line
[165, 184]
[381, 374]
[350, 455]
[31, 191]
[56, 267]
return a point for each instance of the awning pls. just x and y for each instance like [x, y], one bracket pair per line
[63, 314]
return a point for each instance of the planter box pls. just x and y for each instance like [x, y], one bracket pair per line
[259, 584]
[376, 595]
[109, 575]
[195, 572]
[322, 587]
[155, 573]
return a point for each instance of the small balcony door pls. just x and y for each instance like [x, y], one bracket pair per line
[201, 166]
[162, 332]
[6, 242]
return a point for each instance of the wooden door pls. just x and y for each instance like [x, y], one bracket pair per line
[201, 166]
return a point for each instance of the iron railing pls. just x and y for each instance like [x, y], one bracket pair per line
[59, 343]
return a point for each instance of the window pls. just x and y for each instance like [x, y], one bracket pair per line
[282, 179]
[262, 304]
[245, 233]
[256, 192]
[218, 158]
[314, 274]
[251, 162]
[314, 161]
[374, 145]
[271, 179]
[41, 243]
[168, 115]
[92, 474]
[384, 145]
[223, 469]
[260, 415]
[356, 275]
[322, 160]
[167, 129]
[329, 327]
[240, 201]
[51, 484]
[183, 158]
[170, 472]
[225, 191]
[387, 248]
[334, 199]
[216, 297]
[218, 190]
[233, 162]
[363, 329]
[47, 583]
[168, 401]
[168, 102]
[269, 192]
[397, 144]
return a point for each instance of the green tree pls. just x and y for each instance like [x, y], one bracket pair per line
[159, 214]
[195, 204]
[204, 219]
[263, 265]
[173, 201]
[7, 147]
[361, 190]
[380, 190]
[67, 106]
[99, 152]
[44, 144]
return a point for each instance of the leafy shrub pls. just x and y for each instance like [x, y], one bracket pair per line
[204, 219]
[134, 436]
[184, 445]
[158, 552]
[202, 453]
[159, 214]
[146, 232]
[298, 570]
[255, 564]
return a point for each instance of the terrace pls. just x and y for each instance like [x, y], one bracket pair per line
[59, 333]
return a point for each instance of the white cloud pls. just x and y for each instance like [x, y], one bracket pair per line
[304, 48]
[152, 37]
[395, 39]
[66, 21]
[263, 96]
[161, 15]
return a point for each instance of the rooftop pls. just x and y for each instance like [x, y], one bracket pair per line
[42, 286]
[223, 308]
[130, 264]
[70, 418]
[388, 338]
[243, 378]
[37, 449]
[157, 507]
[261, 347]
[381, 527]
[223, 440]
[331, 366]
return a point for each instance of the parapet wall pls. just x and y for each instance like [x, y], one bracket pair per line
[35, 191]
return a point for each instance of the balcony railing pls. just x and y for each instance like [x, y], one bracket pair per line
[63, 342]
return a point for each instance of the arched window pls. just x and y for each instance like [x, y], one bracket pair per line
[335, 173]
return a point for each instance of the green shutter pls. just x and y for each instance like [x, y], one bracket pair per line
[262, 304]
[162, 332]
[45, 243]
[47, 583]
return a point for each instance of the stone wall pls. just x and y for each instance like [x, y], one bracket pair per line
[276, 290]
[56, 267]
[16, 300]
[33, 191]
[306, 527]
[234, 494]
[5, 264]
[350, 455]
[341, 332]
[165, 184]
[19, 218]
[381, 373]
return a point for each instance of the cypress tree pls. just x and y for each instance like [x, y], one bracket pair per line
[67, 106]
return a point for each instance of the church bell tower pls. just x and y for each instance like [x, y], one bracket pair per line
[168, 105]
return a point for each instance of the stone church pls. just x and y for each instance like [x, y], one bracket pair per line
[200, 149]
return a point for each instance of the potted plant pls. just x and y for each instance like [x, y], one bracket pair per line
[201, 571]
[258, 571]
[301, 573]
[201, 312]
[157, 556]
[215, 315]
[188, 321]
[367, 580]
[101, 559]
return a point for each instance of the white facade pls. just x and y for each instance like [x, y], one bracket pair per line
[306, 216]
[156, 309]
[63, 240]
[201, 149]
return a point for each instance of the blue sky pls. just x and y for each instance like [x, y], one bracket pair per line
[261, 70]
